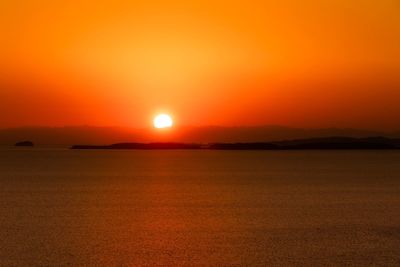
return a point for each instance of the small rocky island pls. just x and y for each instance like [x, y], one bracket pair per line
[25, 144]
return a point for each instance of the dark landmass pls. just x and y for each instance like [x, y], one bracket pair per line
[68, 136]
[24, 143]
[141, 146]
[313, 143]
[341, 143]
[243, 146]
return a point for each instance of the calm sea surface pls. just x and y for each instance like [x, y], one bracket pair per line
[199, 208]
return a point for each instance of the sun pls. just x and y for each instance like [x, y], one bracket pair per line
[162, 121]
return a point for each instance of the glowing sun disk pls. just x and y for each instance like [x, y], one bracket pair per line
[162, 121]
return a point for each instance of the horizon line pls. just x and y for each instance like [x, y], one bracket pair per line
[199, 126]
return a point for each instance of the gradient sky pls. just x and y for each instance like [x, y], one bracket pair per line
[295, 63]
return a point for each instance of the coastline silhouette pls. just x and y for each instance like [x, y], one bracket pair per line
[329, 143]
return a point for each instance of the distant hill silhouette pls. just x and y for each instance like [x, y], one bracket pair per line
[341, 143]
[141, 146]
[209, 134]
[314, 143]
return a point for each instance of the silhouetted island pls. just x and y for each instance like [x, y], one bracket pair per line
[141, 146]
[329, 143]
[24, 143]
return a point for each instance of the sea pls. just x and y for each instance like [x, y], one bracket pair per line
[61, 207]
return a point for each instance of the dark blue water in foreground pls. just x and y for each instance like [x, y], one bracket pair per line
[199, 208]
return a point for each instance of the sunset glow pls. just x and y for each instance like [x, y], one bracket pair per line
[199, 133]
[295, 63]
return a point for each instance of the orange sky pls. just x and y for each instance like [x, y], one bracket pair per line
[296, 63]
